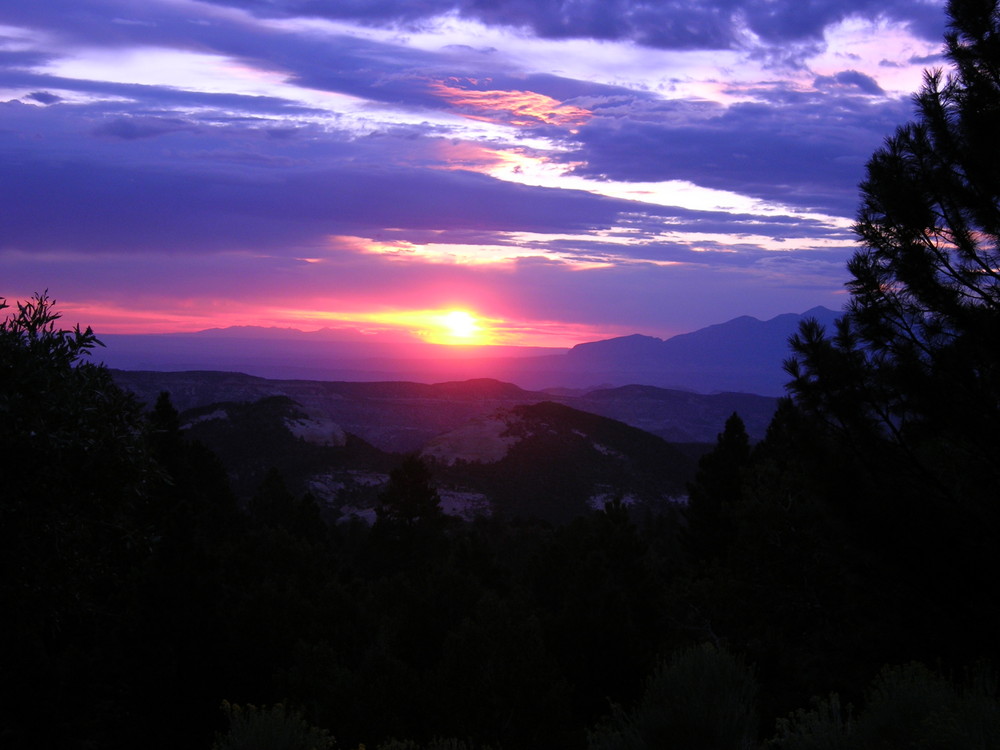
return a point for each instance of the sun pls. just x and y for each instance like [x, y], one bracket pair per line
[459, 324]
[442, 325]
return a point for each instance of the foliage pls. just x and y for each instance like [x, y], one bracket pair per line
[435, 744]
[497, 680]
[703, 697]
[906, 706]
[906, 391]
[253, 438]
[807, 561]
[270, 728]
[717, 487]
[76, 526]
[601, 591]
[916, 358]
[75, 469]
[273, 506]
[410, 497]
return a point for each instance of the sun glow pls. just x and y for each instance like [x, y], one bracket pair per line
[453, 326]
[460, 324]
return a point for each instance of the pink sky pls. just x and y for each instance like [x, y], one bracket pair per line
[175, 165]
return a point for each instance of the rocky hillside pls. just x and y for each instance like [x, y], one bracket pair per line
[551, 461]
[404, 417]
[543, 460]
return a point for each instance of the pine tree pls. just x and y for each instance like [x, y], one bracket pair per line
[906, 391]
[718, 486]
[915, 359]
[410, 497]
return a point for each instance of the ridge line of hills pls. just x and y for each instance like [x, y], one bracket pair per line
[629, 437]
[493, 447]
[741, 355]
[401, 416]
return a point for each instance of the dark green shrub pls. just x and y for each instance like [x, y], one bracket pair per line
[702, 699]
[436, 744]
[906, 707]
[273, 728]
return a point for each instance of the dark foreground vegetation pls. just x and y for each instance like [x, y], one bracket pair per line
[833, 586]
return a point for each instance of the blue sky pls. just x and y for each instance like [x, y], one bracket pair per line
[562, 170]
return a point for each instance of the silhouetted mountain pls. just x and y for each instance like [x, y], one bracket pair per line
[327, 354]
[623, 350]
[542, 460]
[742, 355]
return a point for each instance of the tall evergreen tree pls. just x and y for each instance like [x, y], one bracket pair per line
[718, 485]
[908, 386]
[916, 357]
[410, 497]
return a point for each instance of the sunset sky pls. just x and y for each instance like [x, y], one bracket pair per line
[539, 172]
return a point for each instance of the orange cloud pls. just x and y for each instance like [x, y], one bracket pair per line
[522, 108]
[464, 155]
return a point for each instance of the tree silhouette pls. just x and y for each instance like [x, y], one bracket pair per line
[908, 386]
[75, 529]
[916, 357]
[74, 469]
[718, 485]
[410, 497]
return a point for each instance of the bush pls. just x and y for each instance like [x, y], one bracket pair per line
[436, 744]
[274, 728]
[906, 707]
[703, 698]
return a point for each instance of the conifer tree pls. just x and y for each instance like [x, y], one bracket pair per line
[410, 497]
[718, 485]
[906, 391]
[915, 360]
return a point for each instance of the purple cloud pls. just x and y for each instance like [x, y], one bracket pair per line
[295, 145]
[849, 79]
[44, 97]
[801, 150]
[671, 24]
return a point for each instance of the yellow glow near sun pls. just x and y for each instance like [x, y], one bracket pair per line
[452, 326]
[460, 324]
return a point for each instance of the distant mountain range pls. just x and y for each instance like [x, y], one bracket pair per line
[495, 446]
[742, 355]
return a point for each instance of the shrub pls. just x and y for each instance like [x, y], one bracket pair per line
[703, 698]
[274, 728]
[906, 706]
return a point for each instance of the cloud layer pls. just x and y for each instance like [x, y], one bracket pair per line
[568, 169]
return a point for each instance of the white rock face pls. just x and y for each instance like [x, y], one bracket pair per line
[481, 440]
[217, 414]
[598, 500]
[318, 429]
[464, 504]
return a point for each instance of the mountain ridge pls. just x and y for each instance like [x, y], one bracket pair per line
[540, 460]
[740, 355]
[403, 416]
